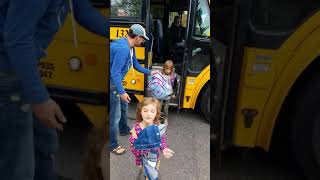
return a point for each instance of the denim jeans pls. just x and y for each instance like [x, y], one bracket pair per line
[165, 109]
[118, 117]
[16, 132]
[123, 123]
[27, 146]
[45, 146]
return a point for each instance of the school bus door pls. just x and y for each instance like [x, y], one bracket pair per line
[196, 61]
[227, 46]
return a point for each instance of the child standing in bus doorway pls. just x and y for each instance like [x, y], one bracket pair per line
[147, 139]
[164, 85]
[173, 79]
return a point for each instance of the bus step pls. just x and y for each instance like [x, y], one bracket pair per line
[173, 104]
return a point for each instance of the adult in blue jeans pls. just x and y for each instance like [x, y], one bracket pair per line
[123, 125]
[28, 116]
[122, 57]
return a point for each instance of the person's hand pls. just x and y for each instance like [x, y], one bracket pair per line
[173, 96]
[140, 167]
[168, 153]
[49, 113]
[133, 133]
[125, 97]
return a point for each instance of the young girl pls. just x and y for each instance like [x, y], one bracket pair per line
[172, 78]
[148, 114]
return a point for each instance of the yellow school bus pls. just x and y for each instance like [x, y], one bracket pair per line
[267, 79]
[192, 60]
[77, 76]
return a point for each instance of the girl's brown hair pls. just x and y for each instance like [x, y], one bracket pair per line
[168, 64]
[146, 101]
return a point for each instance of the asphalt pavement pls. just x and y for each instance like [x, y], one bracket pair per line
[188, 136]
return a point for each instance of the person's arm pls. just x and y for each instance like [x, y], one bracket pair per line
[90, 18]
[19, 28]
[168, 153]
[115, 69]
[138, 67]
[163, 142]
[136, 153]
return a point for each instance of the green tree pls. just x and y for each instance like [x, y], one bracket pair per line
[132, 7]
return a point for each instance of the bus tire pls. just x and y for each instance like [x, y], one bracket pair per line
[205, 103]
[305, 130]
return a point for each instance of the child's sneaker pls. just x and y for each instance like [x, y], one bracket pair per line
[162, 120]
[125, 133]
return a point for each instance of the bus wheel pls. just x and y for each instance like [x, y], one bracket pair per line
[305, 131]
[205, 103]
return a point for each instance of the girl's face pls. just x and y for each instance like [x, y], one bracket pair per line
[167, 70]
[148, 113]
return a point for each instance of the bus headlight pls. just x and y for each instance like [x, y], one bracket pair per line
[75, 64]
[133, 81]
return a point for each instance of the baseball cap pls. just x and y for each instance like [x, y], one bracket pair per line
[138, 30]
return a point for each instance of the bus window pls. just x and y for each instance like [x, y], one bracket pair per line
[200, 57]
[268, 14]
[128, 8]
[202, 20]
[157, 11]
[183, 18]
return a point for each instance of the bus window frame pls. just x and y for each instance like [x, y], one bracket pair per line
[198, 42]
[262, 37]
[194, 21]
[191, 40]
[131, 18]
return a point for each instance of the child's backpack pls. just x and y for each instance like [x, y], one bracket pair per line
[159, 87]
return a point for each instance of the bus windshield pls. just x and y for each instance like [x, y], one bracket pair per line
[126, 8]
[202, 20]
